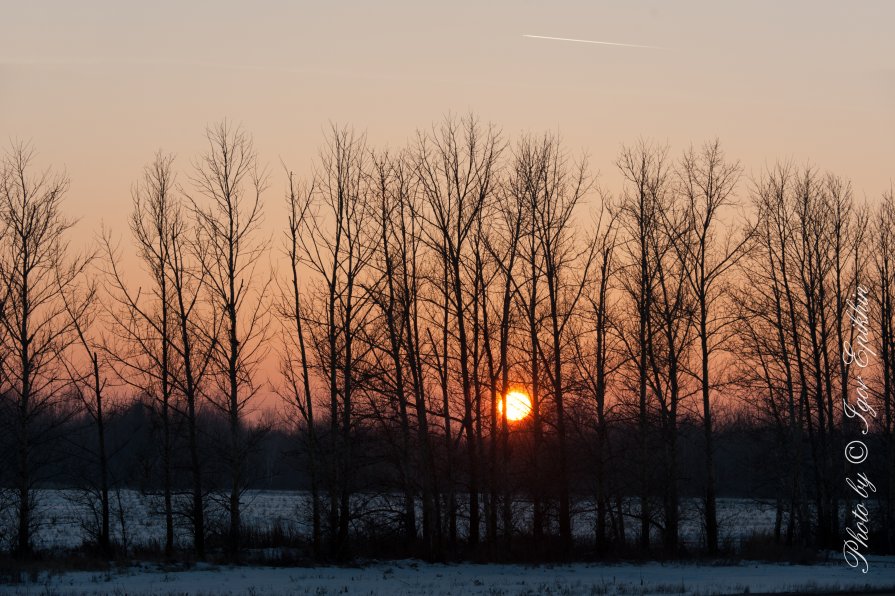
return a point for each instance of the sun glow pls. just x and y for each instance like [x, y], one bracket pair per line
[518, 406]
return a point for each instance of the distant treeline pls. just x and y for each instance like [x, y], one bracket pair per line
[745, 448]
[678, 337]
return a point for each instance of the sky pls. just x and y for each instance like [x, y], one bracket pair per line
[98, 86]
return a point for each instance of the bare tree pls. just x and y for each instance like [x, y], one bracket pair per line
[408, 237]
[338, 250]
[884, 265]
[567, 267]
[646, 171]
[423, 285]
[194, 347]
[36, 268]
[457, 168]
[143, 322]
[669, 337]
[527, 183]
[298, 373]
[777, 329]
[384, 292]
[710, 250]
[595, 367]
[229, 179]
[91, 389]
[164, 339]
[503, 245]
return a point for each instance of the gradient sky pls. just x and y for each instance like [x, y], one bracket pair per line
[99, 85]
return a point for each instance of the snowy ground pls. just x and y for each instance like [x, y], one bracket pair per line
[67, 519]
[409, 577]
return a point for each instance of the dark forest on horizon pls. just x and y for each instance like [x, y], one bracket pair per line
[679, 340]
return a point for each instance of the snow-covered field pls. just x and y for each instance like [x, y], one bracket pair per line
[409, 577]
[66, 520]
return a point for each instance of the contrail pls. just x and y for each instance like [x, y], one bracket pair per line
[602, 43]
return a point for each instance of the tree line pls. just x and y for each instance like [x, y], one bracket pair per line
[406, 293]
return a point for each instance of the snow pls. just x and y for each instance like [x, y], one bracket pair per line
[411, 577]
[64, 526]
[66, 519]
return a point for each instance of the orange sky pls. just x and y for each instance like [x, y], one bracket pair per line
[99, 86]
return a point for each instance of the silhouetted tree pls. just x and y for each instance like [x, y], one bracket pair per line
[228, 217]
[143, 326]
[710, 249]
[36, 267]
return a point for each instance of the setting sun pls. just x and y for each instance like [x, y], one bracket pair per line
[518, 406]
